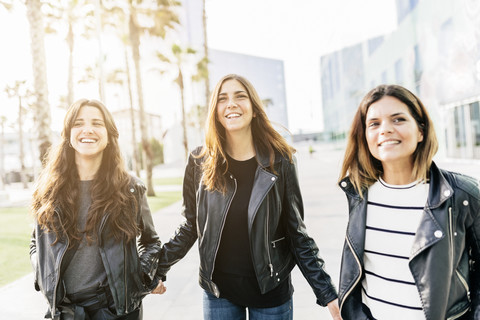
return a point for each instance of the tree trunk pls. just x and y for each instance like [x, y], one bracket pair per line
[23, 177]
[205, 54]
[184, 118]
[98, 30]
[70, 42]
[41, 107]
[135, 42]
[135, 159]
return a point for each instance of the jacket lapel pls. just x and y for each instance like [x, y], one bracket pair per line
[262, 184]
[433, 225]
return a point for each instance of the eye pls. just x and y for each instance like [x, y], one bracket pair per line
[372, 124]
[399, 119]
[242, 96]
[221, 99]
[77, 123]
[98, 124]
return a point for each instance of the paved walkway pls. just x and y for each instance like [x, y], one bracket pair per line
[325, 218]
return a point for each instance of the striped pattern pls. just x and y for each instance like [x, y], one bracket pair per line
[393, 215]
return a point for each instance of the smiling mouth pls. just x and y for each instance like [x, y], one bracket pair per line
[233, 115]
[387, 143]
[88, 140]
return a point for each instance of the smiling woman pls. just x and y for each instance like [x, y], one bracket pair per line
[407, 217]
[242, 202]
[89, 213]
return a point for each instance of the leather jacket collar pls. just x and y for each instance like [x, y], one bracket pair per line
[439, 260]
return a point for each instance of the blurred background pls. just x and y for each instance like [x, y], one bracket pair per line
[155, 62]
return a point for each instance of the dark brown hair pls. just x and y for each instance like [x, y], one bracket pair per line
[55, 199]
[359, 164]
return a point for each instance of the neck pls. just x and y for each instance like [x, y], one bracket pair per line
[87, 168]
[240, 146]
[396, 175]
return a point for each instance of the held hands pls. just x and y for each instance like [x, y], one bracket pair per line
[334, 310]
[160, 289]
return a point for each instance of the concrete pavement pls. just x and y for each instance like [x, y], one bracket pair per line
[325, 218]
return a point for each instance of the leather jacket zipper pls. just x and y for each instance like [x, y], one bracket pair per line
[458, 315]
[217, 293]
[460, 277]
[358, 279]
[450, 220]
[125, 274]
[268, 246]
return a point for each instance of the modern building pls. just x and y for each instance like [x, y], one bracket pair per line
[434, 52]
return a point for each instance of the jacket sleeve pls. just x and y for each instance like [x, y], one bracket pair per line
[474, 236]
[303, 246]
[186, 234]
[148, 243]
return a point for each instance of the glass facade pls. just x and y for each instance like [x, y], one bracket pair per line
[463, 131]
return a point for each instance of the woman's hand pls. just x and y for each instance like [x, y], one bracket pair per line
[334, 310]
[160, 289]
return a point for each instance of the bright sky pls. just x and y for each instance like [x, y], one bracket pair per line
[296, 31]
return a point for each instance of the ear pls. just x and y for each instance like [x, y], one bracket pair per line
[420, 136]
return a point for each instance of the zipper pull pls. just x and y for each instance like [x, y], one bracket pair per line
[271, 270]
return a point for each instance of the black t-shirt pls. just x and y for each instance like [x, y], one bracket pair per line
[234, 273]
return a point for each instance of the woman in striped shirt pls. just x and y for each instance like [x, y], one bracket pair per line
[414, 230]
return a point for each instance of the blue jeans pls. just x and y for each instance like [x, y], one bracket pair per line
[222, 309]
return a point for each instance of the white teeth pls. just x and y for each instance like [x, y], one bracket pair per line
[389, 142]
[88, 141]
[233, 115]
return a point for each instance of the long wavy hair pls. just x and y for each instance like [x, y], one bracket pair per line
[359, 164]
[266, 138]
[55, 199]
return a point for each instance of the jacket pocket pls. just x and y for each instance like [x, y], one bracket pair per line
[277, 242]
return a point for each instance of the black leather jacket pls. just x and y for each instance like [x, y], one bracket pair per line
[444, 257]
[278, 238]
[130, 266]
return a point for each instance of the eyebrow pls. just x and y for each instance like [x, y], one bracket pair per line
[94, 119]
[392, 115]
[236, 92]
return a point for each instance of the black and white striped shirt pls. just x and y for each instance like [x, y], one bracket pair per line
[393, 216]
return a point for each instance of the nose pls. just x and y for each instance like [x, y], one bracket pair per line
[231, 103]
[386, 127]
[87, 130]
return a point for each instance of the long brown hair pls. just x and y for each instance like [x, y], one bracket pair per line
[55, 200]
[362, 168]
[265, 137]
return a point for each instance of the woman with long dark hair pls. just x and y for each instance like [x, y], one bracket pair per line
[412, 246]
[89, 212]
[242, 202]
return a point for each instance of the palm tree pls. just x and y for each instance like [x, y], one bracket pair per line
[203, 64]
[179, 57]
[73, 13]
[163, 18]
[41, 107]
[136, 158]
